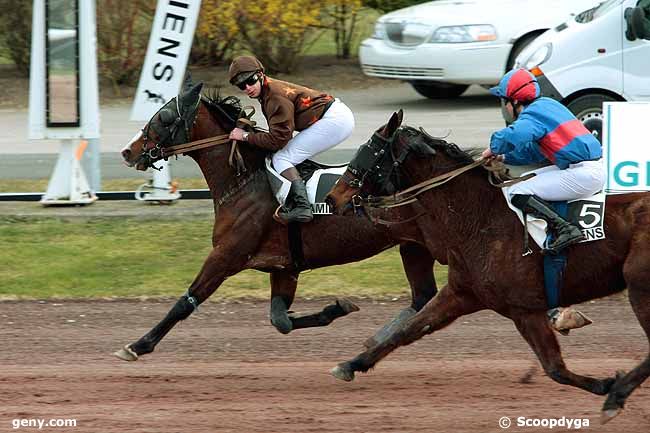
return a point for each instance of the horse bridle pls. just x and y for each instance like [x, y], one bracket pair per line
[153, 151]
[372, 161]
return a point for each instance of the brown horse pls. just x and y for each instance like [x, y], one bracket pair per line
[245, 236]
[483, 238]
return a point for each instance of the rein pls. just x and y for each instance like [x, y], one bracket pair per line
[410, 194]
[157, 151]
[210, 141]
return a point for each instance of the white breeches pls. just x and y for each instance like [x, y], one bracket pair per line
[553, 184]
[334, 127]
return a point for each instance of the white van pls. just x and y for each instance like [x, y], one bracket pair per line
[441, 47]
[588, 60]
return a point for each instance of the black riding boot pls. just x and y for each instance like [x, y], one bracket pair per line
[300, 211]
[565, 232]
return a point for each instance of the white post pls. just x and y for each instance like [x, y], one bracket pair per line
[162, 74]
[68, 184]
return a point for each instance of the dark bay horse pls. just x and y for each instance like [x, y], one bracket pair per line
[483, 239]
[245, 236]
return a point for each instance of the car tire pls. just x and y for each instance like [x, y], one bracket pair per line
[435, 90]
[589, 110]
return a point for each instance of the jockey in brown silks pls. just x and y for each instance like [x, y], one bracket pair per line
[322, 121]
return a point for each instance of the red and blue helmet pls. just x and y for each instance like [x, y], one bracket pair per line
[517, 85]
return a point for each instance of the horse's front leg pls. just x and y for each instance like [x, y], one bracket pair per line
[448, 305]
[228, 257]
[283, 290]
[535, 329]
[418, 266]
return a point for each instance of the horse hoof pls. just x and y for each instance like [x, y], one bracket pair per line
[126, 354]
[342, 373]
[608, 415]
[347, 305]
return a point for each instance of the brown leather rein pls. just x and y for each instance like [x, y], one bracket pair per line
[235, 158]
[410, 194]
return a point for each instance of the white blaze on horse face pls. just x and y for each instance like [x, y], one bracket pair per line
[135, 138]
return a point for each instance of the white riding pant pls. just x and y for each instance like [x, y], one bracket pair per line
[335, 126]
[554, 184]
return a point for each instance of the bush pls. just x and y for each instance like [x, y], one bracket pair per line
[216, 32]
[16, 31]
[277, 31]
[122, 35]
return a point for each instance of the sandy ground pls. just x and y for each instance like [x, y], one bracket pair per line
[227, 370]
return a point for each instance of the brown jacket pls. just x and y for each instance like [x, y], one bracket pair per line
[287, 107]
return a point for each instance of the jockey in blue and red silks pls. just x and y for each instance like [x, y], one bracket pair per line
[543, 130]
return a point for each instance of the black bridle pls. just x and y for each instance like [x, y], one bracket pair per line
[171, 126]
[376, 162]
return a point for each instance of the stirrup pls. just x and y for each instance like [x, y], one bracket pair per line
[285, 219]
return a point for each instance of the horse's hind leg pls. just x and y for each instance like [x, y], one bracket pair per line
[418, 266]
[442, 310]
[283, 289]
[637, 275]
[535, 329]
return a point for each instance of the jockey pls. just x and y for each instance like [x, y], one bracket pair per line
[541, 130]
[322, 120]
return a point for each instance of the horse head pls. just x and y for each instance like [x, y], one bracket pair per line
[376, 168]
[170, 125]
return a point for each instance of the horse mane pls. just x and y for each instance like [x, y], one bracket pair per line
[450, 149]
[230, 106]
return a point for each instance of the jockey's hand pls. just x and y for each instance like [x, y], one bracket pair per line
[237, 134]
[487, 153]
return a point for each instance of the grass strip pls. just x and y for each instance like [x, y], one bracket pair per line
[112, 257]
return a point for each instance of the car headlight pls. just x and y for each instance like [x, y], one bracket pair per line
[460, 34]
[540, 55]
[380, 31]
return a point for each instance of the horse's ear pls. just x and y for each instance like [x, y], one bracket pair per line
[189, 97]
[187, 83]
[392, 125]
[400, 116]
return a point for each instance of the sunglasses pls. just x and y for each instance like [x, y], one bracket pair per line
[250, 81]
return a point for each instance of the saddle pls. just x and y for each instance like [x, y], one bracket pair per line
[587, 213]
[319, 179]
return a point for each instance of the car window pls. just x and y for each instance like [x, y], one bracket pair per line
[600, 10]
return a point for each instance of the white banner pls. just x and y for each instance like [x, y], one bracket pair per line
[626, 146]
[169, 48]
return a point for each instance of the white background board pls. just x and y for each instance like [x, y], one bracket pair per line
[626, 146]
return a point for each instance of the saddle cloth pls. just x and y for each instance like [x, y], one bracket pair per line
[320, 179]
[586, 213]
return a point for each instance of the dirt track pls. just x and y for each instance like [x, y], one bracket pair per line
[227, 370]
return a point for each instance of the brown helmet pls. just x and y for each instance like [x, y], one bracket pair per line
[242, 68]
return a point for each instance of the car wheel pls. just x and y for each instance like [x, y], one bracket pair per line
[589, 110]
[434, 90]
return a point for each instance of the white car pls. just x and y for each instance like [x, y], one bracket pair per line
[588, 60]
[441, 47]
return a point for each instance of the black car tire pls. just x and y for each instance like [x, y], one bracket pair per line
[589, 110]
[435, 90]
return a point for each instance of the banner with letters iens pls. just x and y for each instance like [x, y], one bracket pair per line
[169, 48]
[626, 146]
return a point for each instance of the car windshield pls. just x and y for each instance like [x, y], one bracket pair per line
[601, 9]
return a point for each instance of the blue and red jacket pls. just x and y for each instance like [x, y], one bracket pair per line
[545, 130]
